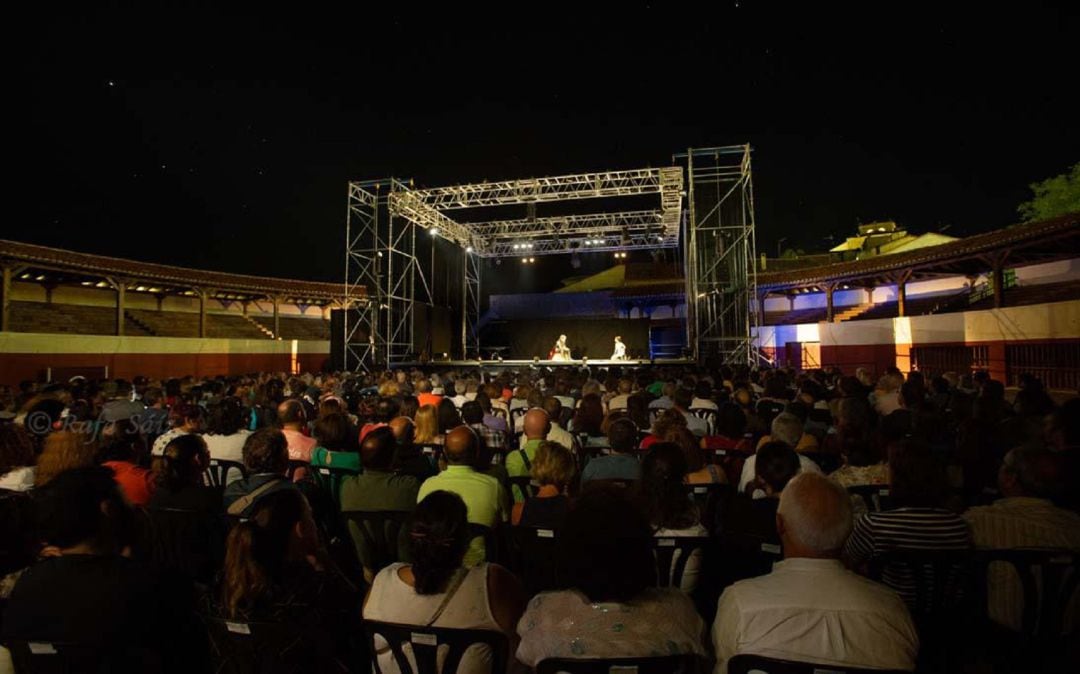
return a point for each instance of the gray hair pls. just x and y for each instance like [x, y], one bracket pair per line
[1036, 471]
[816, 512]
[786, 428]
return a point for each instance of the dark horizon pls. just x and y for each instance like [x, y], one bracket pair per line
[224, 141]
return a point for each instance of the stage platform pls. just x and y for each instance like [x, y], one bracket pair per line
[514, 364]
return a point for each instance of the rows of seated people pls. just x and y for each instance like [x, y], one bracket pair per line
[670, 519]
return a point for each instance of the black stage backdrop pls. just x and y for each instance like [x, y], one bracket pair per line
[586, 338]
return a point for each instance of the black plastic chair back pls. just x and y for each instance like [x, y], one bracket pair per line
[296, 467]
[670, 567]
[377, 536]
[747, 556]
[493, 551]
[668, 664]
[330, 479]
[1049, 580]
[425, 643]
[218, 471]
[876, 496]
[238, 647]
[744, 664]
[939, 576]
[826, 461]
[44, 657]
[17, 538]
[525, 485]
[534, 557]
[186, 542]
[432, 452]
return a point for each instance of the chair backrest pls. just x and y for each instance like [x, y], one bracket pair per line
[667, 664]
[187, 542]
[709, 415]
[876, 496]
[218, 471]
[1048, 577]
[47, 657]
[330, 478]
[939, 577]
[493, 551]
[17, 540]
[432, 452]
[669, 567]
[425, 643]
[826, 461]
[744, 664]
[533, 557]
[239, 647]
[295, 467]
[525, 484]
[377, 536]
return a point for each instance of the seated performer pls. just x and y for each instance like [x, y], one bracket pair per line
[620, 349]
[561, 351]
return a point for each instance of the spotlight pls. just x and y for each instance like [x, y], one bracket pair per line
[468, 249]
[524, 260]
[434, 231]
[532, 259]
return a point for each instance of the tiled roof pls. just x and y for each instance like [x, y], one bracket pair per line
[100, 265]
[1045, 240]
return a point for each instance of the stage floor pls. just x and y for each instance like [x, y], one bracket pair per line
[515, 364]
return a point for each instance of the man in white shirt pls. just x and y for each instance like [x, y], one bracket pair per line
[810, 608]
[1025, 518]
[556, 433]
[619, 401]
[694, 423]
[703, 397]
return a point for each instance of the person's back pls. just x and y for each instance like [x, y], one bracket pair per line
[622, 464]
[378, 488]
[1025, 518]
[266, 459]
[83, 591]
[437, 589]
[810, 608]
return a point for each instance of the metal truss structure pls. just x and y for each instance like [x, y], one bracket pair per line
[383, 216]
[720, 252]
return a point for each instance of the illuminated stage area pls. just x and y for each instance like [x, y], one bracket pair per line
[552, 364]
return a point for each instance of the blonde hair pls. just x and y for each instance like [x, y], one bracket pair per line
[63, 451]
[553, 464]
[427, 425]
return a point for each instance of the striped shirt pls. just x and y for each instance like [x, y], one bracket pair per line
[929, 529]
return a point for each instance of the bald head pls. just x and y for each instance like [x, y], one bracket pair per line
[537, 424]
[461, 446]
[1031, 471]
[291, 414]
[814, 517]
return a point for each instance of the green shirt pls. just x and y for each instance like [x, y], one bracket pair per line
[515, 464]
[484, 498]
[322, 456]
[375, 491]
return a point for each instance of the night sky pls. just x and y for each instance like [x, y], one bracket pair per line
[225, 141]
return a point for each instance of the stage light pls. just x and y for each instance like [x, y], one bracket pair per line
[468, 249]
[532, 259]
[434, 231]
[379, 253]
[524, 260]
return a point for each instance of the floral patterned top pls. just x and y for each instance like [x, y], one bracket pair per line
[565, 624]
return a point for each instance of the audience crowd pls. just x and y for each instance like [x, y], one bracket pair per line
[285, 523]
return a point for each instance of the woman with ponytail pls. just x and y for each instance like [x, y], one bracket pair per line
[437, 590]
[667, 505]
[275, 571]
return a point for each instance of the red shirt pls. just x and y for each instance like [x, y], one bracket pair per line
[428, 399]
[135, 483]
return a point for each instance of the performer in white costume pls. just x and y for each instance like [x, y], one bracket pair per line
[561, 351]
[620, 349]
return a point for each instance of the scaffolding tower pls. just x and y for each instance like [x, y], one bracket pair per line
[719, 254]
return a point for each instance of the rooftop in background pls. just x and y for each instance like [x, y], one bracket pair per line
[630, 275]
[1019, 245]
[56, 266]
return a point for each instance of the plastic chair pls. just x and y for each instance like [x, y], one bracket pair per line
[708, 415]
[745, 663]
[186, 542]
[825, 461]
[239, 647]
[50, 657]
[425, 643]
[330, 479]
[1048, 577]
[533, 557]
[525, 485]
[940, 577]
[217, 472]
[669, 664]
[669, 567]
[876, 496]
[376, 536]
